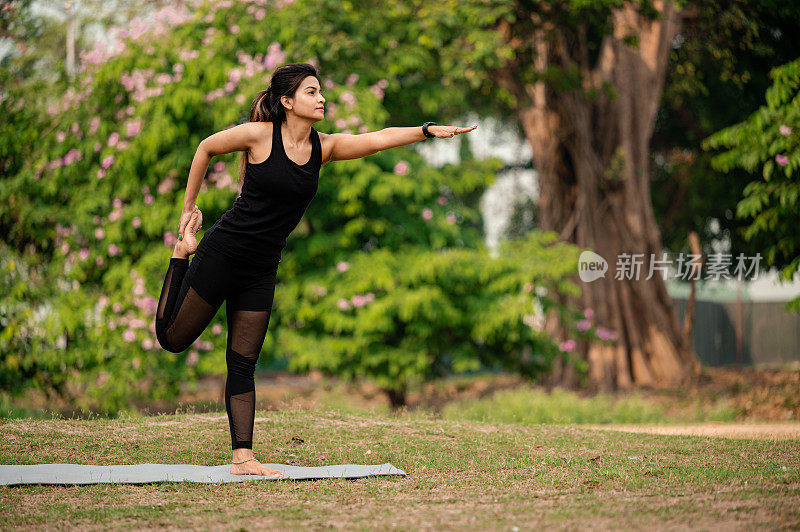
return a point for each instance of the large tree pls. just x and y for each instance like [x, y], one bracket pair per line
[587, 82]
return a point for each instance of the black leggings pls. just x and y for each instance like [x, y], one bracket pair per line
[190, 298]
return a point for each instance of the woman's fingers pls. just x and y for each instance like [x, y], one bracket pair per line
[451, 131]
[185, 217]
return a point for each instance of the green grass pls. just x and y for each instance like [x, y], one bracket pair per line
[533, 406]
[461, 474]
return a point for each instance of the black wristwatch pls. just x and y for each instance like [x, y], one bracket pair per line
[425, 129]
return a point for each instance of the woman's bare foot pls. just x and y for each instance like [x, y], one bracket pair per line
[188, 244]
[254, 467]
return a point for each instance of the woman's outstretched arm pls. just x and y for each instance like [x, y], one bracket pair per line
[344, 146]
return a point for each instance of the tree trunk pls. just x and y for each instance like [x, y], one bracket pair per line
[397, 398]
[592, 160]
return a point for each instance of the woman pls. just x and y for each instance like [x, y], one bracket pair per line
[238, 258]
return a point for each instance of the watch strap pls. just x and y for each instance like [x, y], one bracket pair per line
[425, 129]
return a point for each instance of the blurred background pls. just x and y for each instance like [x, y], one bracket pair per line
[441, 276]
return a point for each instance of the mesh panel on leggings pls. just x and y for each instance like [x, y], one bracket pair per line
[246, 332]
[190, 320]
[182, 314]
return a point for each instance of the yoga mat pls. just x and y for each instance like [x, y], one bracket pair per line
[144, 473]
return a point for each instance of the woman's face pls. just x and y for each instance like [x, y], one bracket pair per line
[308, 101]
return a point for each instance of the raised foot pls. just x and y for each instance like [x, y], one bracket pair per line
[254, 467]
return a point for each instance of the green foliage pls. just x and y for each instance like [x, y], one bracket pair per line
[767, 143]
[404, 317]
[93, 186]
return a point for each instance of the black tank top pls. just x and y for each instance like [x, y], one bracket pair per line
[274, 196]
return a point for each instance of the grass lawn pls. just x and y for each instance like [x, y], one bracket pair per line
[461, 474]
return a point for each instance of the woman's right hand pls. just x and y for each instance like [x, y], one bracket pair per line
[185, 217]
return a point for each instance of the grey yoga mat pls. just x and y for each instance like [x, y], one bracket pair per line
[144, 473]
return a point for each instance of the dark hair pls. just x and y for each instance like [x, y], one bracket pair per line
[267, 106]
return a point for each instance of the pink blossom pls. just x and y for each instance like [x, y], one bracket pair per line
[357, 300]
[216, 328]
[166, 185]
[107, 161]
[97, 147]
[441, 200]
[99, 260]
[583, 325]
[72, 155]
[785, 130]
[234, 28]
[606, 334]
[148, 199]
[274, 56]
[240, 99]
[363, 129]
[427, 214]
[170, 239]
[84, 253]
[377, 91]
[117, 203]
[113, 250]
[401, 168]
[451, 218]
[64, 248]
[192, 357]
[103, 300]
[259, 14]
[129, 335]
[99, 233]
[113, 139]
[588, 313]
[101, 173]
[130, 110]
[136, 222]
[343, 304]
[147, 344]
[340, 123]
[342, 266]
[61, 136]
[351, 80]
[133, 127]
[567, 346]
[219, 166]
[382, 83]
[781, 160]
[527, 287]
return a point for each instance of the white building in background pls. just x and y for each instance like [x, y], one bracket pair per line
[491, 139]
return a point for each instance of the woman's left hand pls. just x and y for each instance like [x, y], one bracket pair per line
[445, 132]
